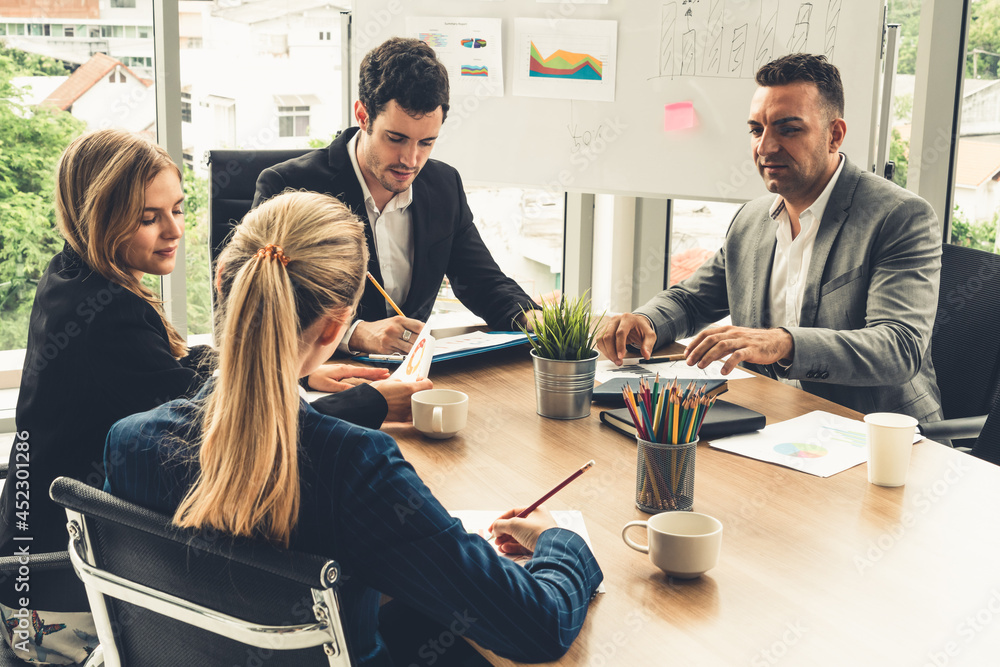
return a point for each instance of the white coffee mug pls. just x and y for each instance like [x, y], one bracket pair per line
[682, 544]
[439, 413]
[890, 441]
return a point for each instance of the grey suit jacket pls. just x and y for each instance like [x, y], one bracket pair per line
[870, 298]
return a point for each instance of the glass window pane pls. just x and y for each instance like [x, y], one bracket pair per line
[301, 126]
[976, 197]
[523, 230]
[28, 234]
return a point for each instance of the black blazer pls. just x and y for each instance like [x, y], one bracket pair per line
[445, 240]
[96, 353]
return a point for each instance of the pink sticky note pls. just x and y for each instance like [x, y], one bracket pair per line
[678, 116]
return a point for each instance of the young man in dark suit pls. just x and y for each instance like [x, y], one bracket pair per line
[417, 221]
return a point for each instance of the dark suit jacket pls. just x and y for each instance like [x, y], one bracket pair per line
[445, 240]
[365, 506]
[96, 353]
[864, 339]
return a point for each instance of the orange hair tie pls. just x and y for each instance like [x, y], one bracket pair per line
[271, 251]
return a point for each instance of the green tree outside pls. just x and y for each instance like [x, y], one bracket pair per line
[31, 141]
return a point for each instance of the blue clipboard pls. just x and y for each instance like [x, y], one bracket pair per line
[451, 355]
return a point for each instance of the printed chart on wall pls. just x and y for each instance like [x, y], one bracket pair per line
[818, 443]
[470, 48]
[566, 59]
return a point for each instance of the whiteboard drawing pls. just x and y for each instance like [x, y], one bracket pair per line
[738, 49]
[768, 28]
[800, 33]
[734, 38]
[832, 22]
[688, 58]
[667, 25]
[713, 57]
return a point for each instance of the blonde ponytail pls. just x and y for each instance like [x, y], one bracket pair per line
[248, 482]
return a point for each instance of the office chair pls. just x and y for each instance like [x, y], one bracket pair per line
[964, 345]
[987, 445]
[163, 596]
[233, 176]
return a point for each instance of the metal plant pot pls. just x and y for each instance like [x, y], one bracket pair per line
[564, 389]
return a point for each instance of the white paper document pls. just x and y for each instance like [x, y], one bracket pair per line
[631, 368]
[479, 522]
[818, 443]
[471, 49]
[417, 363]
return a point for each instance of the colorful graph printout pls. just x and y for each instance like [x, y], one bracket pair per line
[565, 65]
[469, 48]
[566, 58]
[433, 39]
[818, 443]
[472, 70]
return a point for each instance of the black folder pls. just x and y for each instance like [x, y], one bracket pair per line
[722, 420]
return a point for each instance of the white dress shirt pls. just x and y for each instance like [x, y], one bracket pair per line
[793, 256]
[393, 240]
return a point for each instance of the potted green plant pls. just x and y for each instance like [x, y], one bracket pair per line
[564, 357]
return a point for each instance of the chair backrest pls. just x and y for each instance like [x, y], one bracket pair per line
[965, 345]
[162, 596]
[234, 180]
[987, 446]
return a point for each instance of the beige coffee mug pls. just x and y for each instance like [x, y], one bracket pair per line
[682, 544]
[439, 413]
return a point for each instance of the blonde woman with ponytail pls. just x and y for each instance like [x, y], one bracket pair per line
[248, 457]
[99, 348]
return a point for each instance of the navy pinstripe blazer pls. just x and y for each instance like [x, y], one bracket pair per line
[365, 506]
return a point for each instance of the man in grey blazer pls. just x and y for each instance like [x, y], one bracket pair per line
[831, 282]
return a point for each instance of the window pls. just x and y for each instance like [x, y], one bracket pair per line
[143, 32]
[31, 243]
[293, 121]
[976, 196]
[130, 31]
[123, 4]
[185, 107]
[324, 35]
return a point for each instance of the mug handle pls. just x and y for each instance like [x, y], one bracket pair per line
[638, 547]
[437, 419]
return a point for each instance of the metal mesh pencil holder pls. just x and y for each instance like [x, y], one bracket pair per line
[664, 477]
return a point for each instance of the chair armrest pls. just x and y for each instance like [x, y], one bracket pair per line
[953, 429]
[53, 560]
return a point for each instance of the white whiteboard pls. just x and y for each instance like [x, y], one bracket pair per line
[668, 51]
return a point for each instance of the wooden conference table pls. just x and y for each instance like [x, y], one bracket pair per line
[813, 571]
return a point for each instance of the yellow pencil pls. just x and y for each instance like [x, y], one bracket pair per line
[387, 297]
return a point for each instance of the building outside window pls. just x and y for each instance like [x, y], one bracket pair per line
[123, 4]
[294, 113]
[185, 107]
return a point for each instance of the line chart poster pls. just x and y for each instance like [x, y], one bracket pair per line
[470, 48]
[566, 59]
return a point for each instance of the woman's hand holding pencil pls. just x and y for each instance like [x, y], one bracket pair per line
[518, 535]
